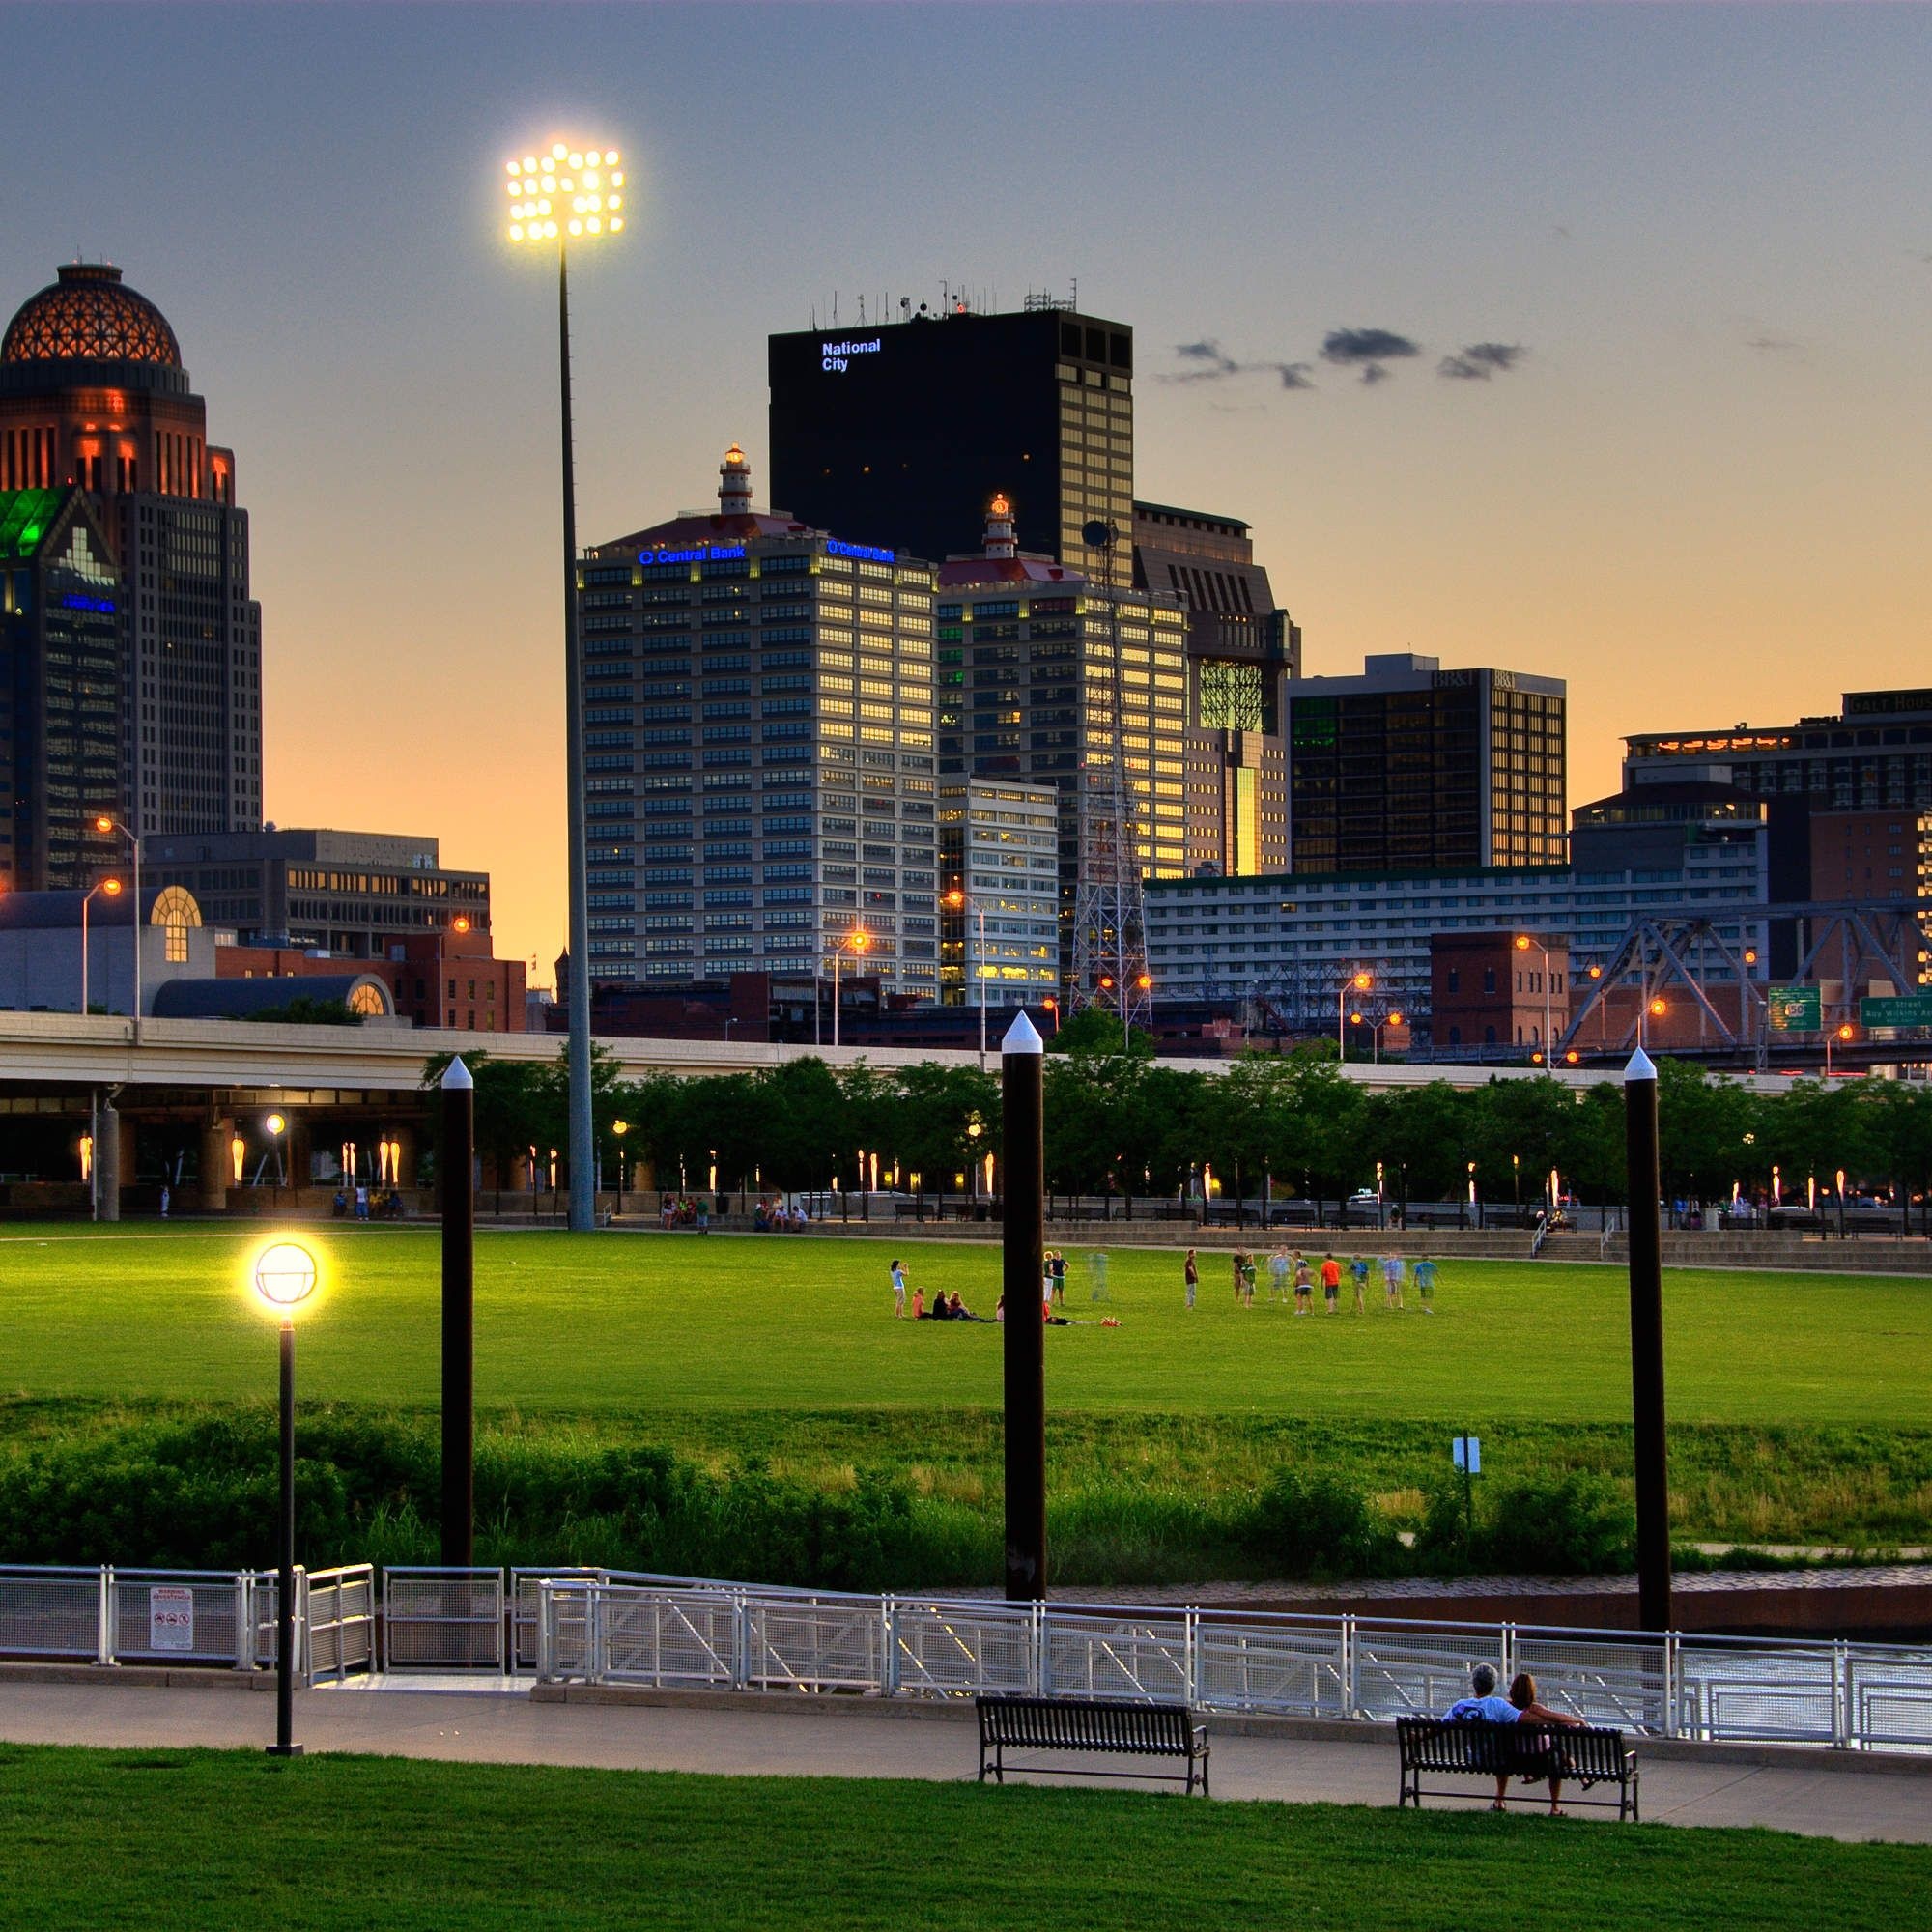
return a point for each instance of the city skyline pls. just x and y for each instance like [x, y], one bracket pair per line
[1576, 342]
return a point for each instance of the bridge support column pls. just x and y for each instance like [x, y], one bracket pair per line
[214, 1164]
[109, 1127]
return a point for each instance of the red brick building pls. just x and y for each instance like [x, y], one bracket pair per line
[435, 978]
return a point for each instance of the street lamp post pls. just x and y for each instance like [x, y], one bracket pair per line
[1376, 1047]
[1355, 983]
[1525, 944]
[111, 888]
[107, 822]
[960, 900]
[285, 1277]
[857, 939]
[1844, 1034]
[277, 1127]
[571, 194]
[620, 1128]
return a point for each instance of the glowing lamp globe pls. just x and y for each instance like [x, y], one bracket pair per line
[285, 1274]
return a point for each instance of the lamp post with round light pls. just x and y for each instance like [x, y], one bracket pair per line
[107, 888]
[960, 900]
[569, 194]
[1525, 944]
[857, 939]
[1355, 983]
[285, 1277]
[106, 822]
[277, 1126]
[620, 1128]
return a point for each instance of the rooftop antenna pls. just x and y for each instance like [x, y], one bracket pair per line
[862, 311]
[1076, 295]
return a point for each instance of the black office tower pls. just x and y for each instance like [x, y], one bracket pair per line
[905, 431]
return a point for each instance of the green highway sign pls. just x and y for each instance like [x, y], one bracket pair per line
[1794, 1009]
[1911, 1010]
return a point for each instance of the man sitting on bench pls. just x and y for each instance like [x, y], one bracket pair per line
[1520, 1707]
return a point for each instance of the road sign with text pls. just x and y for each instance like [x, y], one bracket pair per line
[1908, 1009]
[1794, 1009]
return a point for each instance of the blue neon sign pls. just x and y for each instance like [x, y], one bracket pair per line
[702, 554]
[103, 605]
[870, 551]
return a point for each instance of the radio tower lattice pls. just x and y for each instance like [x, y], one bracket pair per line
[1110, 964]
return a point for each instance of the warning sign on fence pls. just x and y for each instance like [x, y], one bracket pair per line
[170, 1617]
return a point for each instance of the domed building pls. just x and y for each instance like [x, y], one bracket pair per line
[94, 399]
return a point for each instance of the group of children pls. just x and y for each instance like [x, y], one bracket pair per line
[1281, 1265]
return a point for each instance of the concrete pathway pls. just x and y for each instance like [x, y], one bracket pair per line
[1795, 1794]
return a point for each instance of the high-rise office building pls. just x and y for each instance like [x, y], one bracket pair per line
[61, 658]
[1027, 655]
[1241, 651]
[904, 431]
[92, 393]
[758, 782]
[1412, 767]
[999, 866]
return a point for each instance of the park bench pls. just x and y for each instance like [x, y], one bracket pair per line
[1110, 1725]
[1436, 1747]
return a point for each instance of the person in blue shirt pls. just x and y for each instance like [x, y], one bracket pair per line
[1520, 1707]
[1425, 1284]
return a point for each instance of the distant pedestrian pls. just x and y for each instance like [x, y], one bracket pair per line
[1248, 1277]
[164, 1201]
[1425, 1284]
[1304, 1286]
[1058, 1270]
[362, 1202]
[1278, 1275]
[1237, 1258]
[1392, 1273]
[898, 1288]
[1331, 1284]
[1358, 1272]
[1191, 1275]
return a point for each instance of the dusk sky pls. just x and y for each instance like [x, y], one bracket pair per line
[1699, 490]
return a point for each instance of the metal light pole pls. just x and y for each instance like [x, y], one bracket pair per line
[111, 888]
[458, 1317]
[959, 899]
[1024, 1260]
[1525, 944]
[857, 939]
[1646, 1299]
[107, 822]
[571, 194]
[1357, 982]
[620, 1128]
[277, 1127]
[285, 1277]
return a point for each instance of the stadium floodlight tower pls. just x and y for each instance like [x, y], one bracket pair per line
[571, 193]
[1109, 963]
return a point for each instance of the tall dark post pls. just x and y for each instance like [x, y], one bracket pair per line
[583, 1154]
[1024, 1146]
[458, 1317]
[285, 1745]
[1646, 1294]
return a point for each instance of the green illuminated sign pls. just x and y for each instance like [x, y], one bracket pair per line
[1911, 1010]
[1794, 1009]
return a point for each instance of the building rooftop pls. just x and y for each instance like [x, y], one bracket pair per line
[89, 315]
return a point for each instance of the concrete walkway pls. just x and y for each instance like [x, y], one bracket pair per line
[1785, 1790]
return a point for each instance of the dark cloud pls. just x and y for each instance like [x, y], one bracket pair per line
[1208, 362]
[1373, 373]
[1478, 361]
[1353, 347]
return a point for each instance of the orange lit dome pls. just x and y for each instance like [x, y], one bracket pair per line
[87, 316]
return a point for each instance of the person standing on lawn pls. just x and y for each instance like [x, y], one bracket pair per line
[1331, 1284]
[1392, 1273]
[1359, 1271]
[898, 1288]
[1425, 1284]
[1191, 1275]
[1278, 1275]
[1304, 1285]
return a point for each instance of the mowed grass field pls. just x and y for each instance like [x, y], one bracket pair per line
[184, 1840]
[657, 1324]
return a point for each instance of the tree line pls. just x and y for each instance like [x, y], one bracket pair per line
[1119, 1123]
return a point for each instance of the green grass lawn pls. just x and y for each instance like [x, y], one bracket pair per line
[182, 1840]
[687, 1323]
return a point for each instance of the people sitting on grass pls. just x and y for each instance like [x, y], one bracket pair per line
[919, 1304]
[1520, 1707]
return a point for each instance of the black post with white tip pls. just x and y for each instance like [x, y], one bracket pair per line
[1022, 1071]
[458, 1317]
[1646, 1302]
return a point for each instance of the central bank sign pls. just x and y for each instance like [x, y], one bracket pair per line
[835, 356]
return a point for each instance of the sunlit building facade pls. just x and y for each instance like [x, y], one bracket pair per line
[999, 864]
[758, 750]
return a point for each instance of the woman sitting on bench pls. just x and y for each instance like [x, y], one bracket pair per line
[1520, 1707]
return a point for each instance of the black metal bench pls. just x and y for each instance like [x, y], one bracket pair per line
[1091, 1724]
[1583, 1756]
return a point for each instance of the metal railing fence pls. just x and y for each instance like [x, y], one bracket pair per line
[339, 1616]
[673, 1631]
[109, 1615]
[436, 1618]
